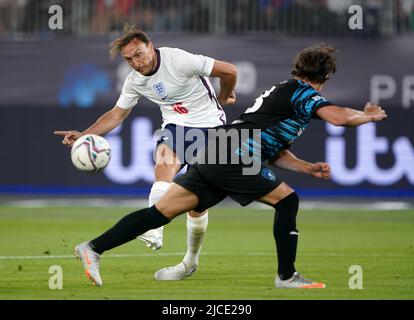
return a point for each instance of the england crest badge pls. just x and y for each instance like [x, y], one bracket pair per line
[159, 89]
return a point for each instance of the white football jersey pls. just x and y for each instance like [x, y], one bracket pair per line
[180, 87]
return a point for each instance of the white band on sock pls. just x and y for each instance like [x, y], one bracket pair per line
[197, 224]
[159, 188]
[196, 228]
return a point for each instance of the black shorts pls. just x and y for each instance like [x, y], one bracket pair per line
[213, 182]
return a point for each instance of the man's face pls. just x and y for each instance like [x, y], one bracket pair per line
[140, 56]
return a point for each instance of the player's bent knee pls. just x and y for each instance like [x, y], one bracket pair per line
[198, 224]
[292, 197]
[166, 172]
[277, 194]
[196, 214]
[166, 155]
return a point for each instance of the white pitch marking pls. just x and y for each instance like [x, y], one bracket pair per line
[172, 254]
[130, 203]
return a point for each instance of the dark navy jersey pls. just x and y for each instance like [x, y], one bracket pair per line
[281, 113]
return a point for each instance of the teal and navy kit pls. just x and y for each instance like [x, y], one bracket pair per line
[276, 119]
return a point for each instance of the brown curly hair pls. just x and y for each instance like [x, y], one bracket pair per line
[131, 32]
[315, 63]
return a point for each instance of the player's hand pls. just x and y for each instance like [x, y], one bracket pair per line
[230, 99]
[69, 137]
[321, 170]
[374, 111]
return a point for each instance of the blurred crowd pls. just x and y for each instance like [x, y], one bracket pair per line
[89, 17]
[320, 16]
[94, 17]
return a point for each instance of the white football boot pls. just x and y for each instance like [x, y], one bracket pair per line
[178, 272]
[90, 261]
[297, 281]
[152, 238]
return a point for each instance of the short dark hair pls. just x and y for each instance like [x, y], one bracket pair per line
[315, 63]
[131, 32]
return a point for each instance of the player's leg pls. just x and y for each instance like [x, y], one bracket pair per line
[196, 226]
[266, 187]
[166, 167]
[286, 203]
[197, 223]
[176, 201]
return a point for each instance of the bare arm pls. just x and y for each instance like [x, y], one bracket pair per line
[348, 117]
[106, 123]
[287, 160]
[227, 73]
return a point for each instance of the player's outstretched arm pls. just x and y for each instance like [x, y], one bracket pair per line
[287, 160]
[348, 117]
[106, 123]
[227, 73]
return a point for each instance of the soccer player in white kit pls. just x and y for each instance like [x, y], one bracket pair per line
[176, 81]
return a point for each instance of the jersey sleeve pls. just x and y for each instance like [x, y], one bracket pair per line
[307, 100]
[193, 65]
[129, 97]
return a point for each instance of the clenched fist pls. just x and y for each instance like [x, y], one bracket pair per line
[321, 170]
[375, 111]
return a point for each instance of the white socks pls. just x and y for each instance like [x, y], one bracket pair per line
[158, 189]
[196, 228]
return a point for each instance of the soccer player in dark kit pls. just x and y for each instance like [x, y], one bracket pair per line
[274, 122]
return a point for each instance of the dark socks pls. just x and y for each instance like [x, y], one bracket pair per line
[286, 234]
[128, 228]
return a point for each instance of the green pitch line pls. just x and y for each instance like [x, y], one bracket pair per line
[238, 260]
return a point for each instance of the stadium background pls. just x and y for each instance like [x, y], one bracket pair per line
[64, 79]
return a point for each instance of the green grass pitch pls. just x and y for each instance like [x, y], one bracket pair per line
[238, 259]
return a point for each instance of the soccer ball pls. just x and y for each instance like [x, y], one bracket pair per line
[91, 153]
